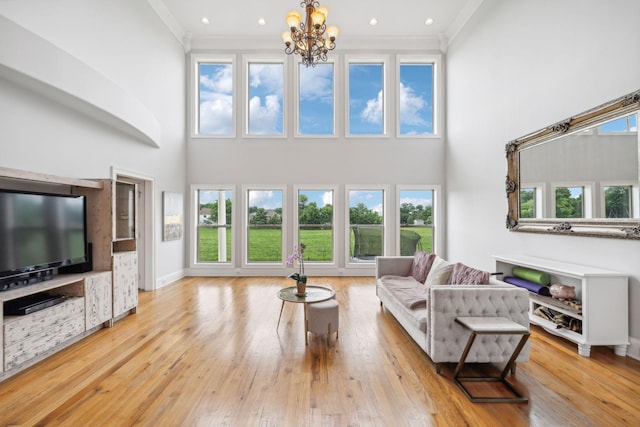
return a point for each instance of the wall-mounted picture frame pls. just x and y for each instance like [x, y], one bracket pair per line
[172, 216]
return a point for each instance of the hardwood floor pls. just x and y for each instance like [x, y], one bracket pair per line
[205, 352]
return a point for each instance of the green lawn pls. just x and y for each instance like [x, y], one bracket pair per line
[265, 245]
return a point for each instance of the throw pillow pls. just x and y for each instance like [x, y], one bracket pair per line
[465, 275]
[441, 276]
[421, 265]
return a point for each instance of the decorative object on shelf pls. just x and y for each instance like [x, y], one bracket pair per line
[172, 216]
[299, 276]
[307, 38]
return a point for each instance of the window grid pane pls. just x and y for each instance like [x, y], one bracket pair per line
[316, 100]
[570, 202]
[215, 99]
[366, 224]
[366, 99]
[618, 202]
[528, 203]
[264, 229]
[265, 99]
[214, 226]
[416, 221]
[315, 224]
[416, 99]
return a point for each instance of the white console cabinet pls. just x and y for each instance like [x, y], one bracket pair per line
[604, 295]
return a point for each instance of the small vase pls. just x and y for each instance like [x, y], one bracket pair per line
[302, 289]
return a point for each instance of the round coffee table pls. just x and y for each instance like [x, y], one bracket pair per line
[313, 294]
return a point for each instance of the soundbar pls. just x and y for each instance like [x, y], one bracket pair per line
[31, 304]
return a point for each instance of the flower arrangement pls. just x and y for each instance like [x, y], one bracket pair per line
[297, 255]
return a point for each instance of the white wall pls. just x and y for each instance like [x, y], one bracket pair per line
[518, 66]
[128, 44]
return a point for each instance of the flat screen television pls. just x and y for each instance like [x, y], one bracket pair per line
[38, 233]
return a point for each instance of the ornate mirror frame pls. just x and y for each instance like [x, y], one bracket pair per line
[593, 227]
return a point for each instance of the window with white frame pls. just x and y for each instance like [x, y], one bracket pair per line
[316, 223]
[215, 98]
[264, 225]
[366, 102]
[528, 205]
[214, 229]
[265, 98]
[415, 220]
[366, 225]
[415, 97]
[316, 99]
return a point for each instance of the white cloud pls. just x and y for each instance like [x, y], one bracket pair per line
[216, 102]
[415, 201]
[372, 113]
[264, 119]
[267, 77]
[267, 199]
[317, 83]
[216, 115]
[327, 198]
[220, 82]
[411, 106]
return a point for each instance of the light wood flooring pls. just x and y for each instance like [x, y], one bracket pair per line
[205, 352]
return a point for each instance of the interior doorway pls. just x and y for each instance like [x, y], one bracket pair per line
[144, 225]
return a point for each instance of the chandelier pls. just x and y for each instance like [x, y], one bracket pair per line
[311, 38]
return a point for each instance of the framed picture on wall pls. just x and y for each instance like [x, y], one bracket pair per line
[172, 216]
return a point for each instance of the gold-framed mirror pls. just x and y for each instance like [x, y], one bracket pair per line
[579, 176]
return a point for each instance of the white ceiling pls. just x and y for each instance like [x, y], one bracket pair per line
[396, 18]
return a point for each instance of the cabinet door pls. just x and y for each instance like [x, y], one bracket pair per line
[98, 298]
[125, 282]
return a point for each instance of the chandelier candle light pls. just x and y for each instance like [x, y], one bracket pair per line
[310, 39]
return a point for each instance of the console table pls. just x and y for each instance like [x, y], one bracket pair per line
[604, 314]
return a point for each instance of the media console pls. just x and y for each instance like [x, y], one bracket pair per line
[81, 298]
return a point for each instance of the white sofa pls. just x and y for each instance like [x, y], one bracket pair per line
[434, 327]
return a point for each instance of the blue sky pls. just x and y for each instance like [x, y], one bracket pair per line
[271, 199]
[316, 102]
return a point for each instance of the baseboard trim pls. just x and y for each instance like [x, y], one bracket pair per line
[633, 350]
[170, 278]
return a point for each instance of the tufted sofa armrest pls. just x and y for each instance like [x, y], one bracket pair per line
[446, 338]
[393, 266]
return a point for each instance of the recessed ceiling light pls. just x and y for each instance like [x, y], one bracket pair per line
[429, 21]
[261, 21]
[373, 21]
[205, 20]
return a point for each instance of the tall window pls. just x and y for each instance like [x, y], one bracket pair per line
[416, 221]
[316, 223]
[264, 225]
[215, 99]
[366, 224]
[214, 229]
[570, 202]
[366, 99]
[265, 98]
[316, 99]
[415, 99]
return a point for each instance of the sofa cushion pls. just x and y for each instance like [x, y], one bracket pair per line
[421, 265]
[440, 272]
[465, 275]
[408, 291]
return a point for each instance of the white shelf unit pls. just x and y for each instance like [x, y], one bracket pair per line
[604, 295]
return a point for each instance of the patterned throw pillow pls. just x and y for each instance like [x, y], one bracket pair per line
[421, 265]
[465, 275]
